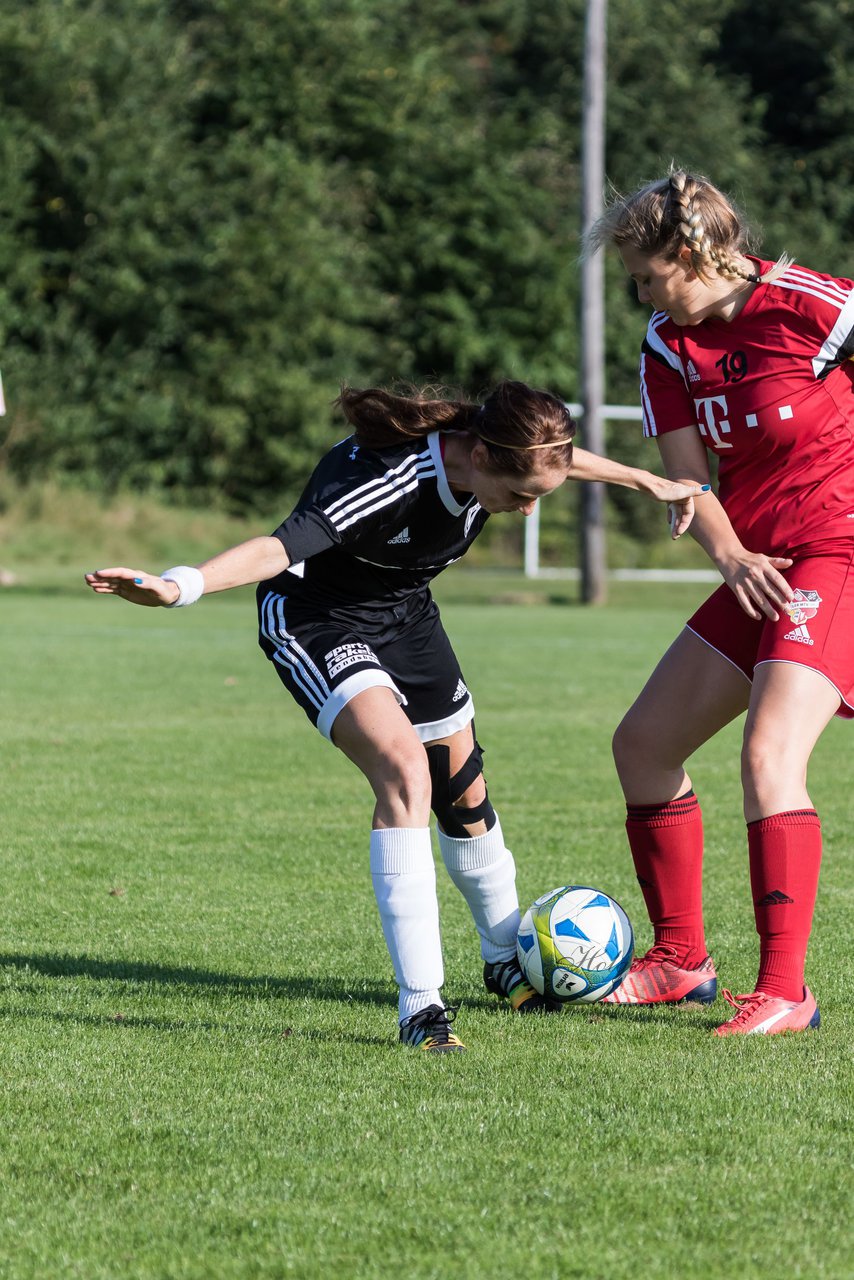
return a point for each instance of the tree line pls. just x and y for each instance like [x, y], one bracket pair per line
[214, 212]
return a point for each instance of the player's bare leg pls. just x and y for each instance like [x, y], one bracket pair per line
[692, 694]
[375, 734]
[790, 707]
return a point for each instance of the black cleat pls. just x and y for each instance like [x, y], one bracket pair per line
[430, 1029]
[506, 979]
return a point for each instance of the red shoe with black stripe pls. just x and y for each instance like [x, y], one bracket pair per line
[657, 978]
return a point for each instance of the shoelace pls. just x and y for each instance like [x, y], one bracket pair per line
[436, 1026]
[746, 1005]
[659, 953]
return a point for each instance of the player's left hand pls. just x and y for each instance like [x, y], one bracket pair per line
[134, 586]
[679, 496]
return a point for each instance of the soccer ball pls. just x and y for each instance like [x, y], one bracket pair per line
[575, 943]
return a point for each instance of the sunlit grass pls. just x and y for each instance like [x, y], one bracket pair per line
[200, 1069]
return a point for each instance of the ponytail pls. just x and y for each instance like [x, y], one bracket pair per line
[514, 421]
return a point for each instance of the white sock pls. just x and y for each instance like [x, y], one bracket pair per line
[404, 876]
[483, 870]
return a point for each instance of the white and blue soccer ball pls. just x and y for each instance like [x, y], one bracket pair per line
[575, 944]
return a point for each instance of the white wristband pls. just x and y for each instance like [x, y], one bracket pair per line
[189, 581]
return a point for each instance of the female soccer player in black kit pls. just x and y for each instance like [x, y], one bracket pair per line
[349, 624]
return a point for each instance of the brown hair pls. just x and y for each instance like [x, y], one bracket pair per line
[683, 210]
[515, 422]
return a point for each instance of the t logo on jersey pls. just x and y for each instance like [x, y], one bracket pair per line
[711, 422]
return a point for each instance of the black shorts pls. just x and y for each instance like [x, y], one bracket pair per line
[324, 661]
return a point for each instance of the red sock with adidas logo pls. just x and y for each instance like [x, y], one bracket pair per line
[666, 841]
[785, 856]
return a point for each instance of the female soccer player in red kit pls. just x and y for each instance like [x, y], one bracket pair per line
[749, 360]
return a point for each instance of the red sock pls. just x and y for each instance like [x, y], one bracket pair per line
[667, 847]
[785, 856]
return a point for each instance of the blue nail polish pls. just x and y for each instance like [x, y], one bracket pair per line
[704, 488]
[138, 581]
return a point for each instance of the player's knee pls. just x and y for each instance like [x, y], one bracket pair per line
[460, 800]
[630, 744]
[766, 762]
[404, 781]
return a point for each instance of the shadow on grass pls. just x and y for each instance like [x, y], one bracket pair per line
[254, 1033]
[670, 1014]
[119, 1020]
[291, 988]
[304, 987]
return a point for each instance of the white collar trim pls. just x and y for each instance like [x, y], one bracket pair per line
[442, 485]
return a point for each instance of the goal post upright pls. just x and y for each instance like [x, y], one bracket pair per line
[592, 523]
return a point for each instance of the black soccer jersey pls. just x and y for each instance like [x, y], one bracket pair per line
[374, 526]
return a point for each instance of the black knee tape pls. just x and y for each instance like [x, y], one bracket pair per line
[454, 818]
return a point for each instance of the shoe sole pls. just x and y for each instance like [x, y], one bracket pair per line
[705, 993]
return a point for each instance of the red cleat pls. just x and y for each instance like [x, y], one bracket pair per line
[657, 978]
[758, 1014]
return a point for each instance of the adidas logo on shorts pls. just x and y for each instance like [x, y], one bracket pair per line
[800, 634]
[403, 536]
[460, 692]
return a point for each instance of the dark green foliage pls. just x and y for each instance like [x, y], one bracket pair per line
[213, 213]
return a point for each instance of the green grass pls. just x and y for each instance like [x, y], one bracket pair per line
[200, 1076]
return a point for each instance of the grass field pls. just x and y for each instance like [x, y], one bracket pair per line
[200, 1076]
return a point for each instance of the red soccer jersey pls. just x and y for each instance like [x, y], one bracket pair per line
[771, 394]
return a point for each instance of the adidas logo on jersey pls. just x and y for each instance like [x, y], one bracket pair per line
[800, 634]
[403, 536]
[461, 692]
[693, 375]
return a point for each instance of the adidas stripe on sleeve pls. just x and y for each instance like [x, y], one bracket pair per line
[351, 494]
[665, 397]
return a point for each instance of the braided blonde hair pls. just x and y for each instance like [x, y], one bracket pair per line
[680, 211]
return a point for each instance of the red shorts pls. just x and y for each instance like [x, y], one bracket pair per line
[815, 630]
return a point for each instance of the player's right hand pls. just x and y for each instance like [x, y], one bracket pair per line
[759, 585]
[133, 585]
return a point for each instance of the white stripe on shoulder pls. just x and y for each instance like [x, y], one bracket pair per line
[385, 498]
[834, 294]
[376, 482]
[839, 335]
[649, 424]
[380, 492]
[813, 289]
[659, 345]
[799, 278]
